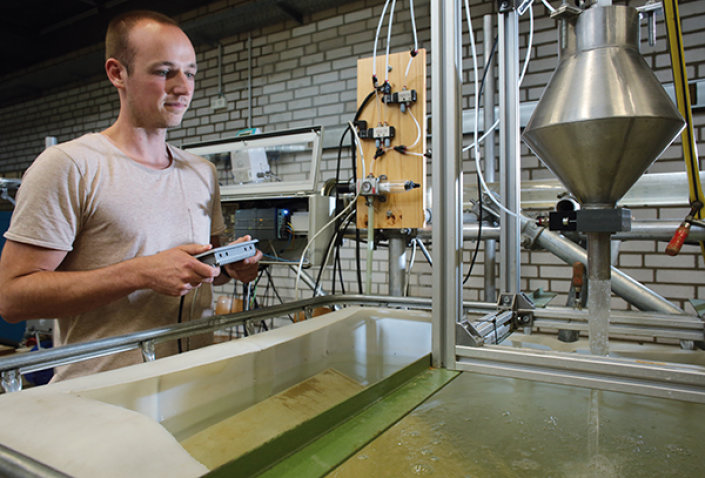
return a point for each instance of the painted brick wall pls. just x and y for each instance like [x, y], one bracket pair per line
[305, 74]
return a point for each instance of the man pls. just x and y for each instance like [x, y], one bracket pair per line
[106, 226]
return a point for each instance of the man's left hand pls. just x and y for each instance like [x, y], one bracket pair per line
[246, 269]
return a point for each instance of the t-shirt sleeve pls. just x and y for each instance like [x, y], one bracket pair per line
[48, 209]
[217, 222]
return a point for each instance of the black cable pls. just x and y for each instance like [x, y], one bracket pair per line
[340, 145]
[340, 271]
[261, 272]
[265, 297]
[337, 177]
[276, 293]
[479, 189]
[335, 268]
[331, 243]
[367, 99]
[181, 308]
[337, 253]
[357, 260]
[357, 231]
[479, 231]
[323, 263]
[487, 64]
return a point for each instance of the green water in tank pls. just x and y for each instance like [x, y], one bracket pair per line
[484, 426]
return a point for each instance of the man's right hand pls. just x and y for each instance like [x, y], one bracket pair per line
[176, 272]
[31, 287]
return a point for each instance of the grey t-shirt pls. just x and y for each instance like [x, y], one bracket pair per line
[89, 198]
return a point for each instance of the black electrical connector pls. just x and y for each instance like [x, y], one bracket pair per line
[381, 134]
[403, 96]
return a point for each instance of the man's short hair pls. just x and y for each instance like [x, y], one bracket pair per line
[117, 44]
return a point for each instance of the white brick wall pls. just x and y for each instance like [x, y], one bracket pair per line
[305, 74]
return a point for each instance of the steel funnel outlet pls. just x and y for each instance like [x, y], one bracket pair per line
[604, 117]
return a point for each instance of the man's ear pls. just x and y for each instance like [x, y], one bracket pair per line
[117, 73]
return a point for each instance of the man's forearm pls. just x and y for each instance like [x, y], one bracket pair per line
[30, 286]
[55, 294]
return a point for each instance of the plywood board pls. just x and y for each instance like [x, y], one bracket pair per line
[260, 423]
[400, 210]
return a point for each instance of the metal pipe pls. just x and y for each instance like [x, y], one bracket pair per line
[651, 319]
[446, 79]
[397, 264]
[308, 280]
[599, 268]
[622, 285]
[45, 358]
[424, 251]
[659, 231]
[641, 230]
[370, 244]
[632, 324]
[39, 360]
[488, 120]
[14, 464]
[509, 150]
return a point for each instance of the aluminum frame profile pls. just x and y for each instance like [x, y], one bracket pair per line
[446, 78]
[637, 326]
[509, 151]
[606, 373]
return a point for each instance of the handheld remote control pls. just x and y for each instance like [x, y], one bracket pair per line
[228, 254]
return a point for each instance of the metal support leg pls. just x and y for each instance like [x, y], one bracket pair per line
[599, 291]
[147, 348]
[11, 381]
[446, 66]
[397, 263]
[488, 121]
[509, 149]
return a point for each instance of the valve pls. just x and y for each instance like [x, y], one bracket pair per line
[681, 234]
[380, 187]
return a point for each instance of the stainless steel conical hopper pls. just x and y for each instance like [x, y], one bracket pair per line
[604, 117]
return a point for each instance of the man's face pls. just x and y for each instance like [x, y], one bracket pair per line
[159, 86]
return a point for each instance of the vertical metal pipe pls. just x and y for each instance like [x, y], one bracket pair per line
[509, 149]
[370, 244]
[488, 121]
[397, 264]
[446, 71]
[599, 270]
[624, 286]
